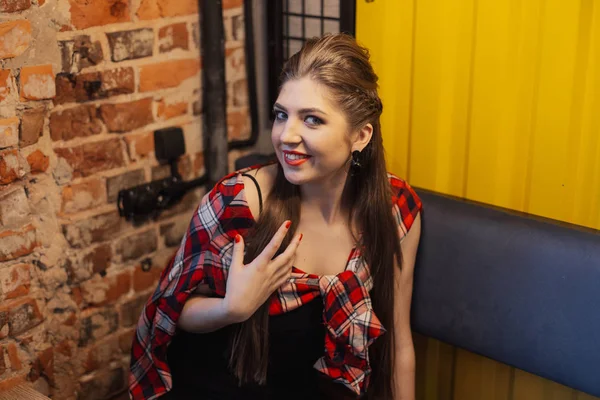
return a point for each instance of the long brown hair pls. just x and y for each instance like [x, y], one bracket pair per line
[343, 66]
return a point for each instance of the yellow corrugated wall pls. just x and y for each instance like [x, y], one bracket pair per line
[498, 102]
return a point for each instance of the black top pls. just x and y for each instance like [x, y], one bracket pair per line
[199, 362]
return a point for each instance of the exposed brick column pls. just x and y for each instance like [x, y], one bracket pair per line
[83, 84]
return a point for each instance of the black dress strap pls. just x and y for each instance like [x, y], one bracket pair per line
[258, 189]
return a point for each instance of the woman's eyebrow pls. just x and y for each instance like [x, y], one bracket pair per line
[301, 111]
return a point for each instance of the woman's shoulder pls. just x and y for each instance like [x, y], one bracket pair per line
[406, 204]
[241, 188]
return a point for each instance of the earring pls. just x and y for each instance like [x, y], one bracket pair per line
[355, 164]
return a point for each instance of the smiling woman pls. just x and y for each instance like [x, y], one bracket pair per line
[310, 298]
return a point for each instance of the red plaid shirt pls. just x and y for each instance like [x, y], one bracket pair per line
[204, 256]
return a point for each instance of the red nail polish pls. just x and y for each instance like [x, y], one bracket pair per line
[301, 235]
[238, 238]
[288, 224]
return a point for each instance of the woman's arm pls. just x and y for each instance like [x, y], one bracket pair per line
[404, 349]
[202, 314]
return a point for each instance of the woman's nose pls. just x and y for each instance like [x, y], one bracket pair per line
[290, 133]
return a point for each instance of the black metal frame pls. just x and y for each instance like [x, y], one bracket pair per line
[278, 41]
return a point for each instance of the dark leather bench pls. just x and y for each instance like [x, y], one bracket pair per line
[520, 290]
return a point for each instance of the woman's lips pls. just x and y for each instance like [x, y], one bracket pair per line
[294, 158]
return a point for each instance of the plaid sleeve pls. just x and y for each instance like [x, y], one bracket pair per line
[199, 259]
[406, 204]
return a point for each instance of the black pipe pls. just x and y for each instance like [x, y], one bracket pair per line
[251, 79]
[214, 99]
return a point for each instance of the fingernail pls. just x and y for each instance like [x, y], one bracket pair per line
[299, 239]
[238, 238]
[288, 224]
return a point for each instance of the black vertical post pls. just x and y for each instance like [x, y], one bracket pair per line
[275, 46]
[214, 91]
[348, 17]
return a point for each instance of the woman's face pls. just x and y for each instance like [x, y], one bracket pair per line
[311, 136]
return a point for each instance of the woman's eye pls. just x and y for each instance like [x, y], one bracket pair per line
[312, 120]
[279, 115]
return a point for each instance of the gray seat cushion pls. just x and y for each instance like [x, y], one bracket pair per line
[517, 289]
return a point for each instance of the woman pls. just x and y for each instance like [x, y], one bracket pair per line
[308, 296]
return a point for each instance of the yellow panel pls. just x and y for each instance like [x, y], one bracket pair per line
[434, 365]
[503, 98]
[557, 133]
[477, 378]
[386, 28]
[441, 94]
[497, 102]
[531, 387]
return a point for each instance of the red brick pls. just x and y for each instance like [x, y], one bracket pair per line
[96, 325]
[86, 13]
[240, 93]
[10, 6]
[125, 340]
[125, 117]
[168, 74]
[9, 132]
[140, 146]
[102, 353]
[137, 245]
[167, 110]
[13, 357]
[38, 162]
[154, 9]
[99, 258]
[75, 122]
[234, 29]
[127, 180]
[37, 82]
[12, 166]
[198, 164]
[103, 385]
[22, 315]
[130, 45]
[233, 3]
[43, 366]
[32, 126]
[15, 37]
[95, 261]
[238, 125]
[76, 295]
[196, 34]
[10, 383]
[14, 244]
[197, 106]
[143, 280]
[132, 309]
[96, 229]
[2, 363]
[173, 232]
[83, 196]
[16, 281]
[3, 324]
[14, 207]
[93, 85]
[5, 83]
[79, 53]
[235, 64]
[89, 158]
[101, 291]
[173, 37]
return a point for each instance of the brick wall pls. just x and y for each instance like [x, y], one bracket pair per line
[83, 84]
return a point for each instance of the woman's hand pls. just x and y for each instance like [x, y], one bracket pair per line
[249, 286]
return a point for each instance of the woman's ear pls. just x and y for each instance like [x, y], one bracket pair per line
[363, 138]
